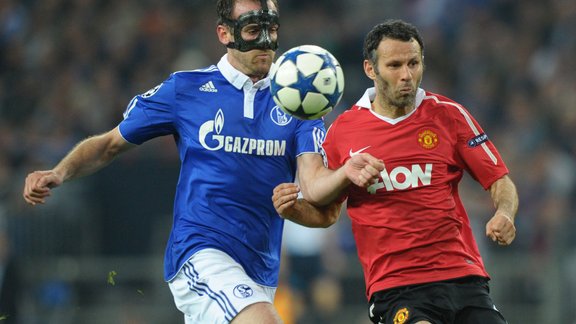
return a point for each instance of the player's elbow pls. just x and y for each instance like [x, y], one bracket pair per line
[319, 201]
[112, 144]
[329, 221]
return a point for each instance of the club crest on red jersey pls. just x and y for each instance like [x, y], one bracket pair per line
[428, 139]
[401, 316]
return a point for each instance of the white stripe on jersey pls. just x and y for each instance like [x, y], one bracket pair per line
[318, 139]
[130, 107]
[211, 68]
[471, 124]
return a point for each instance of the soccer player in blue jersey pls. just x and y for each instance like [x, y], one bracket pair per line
[235, 145]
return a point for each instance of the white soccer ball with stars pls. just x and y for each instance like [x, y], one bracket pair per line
[307, 82]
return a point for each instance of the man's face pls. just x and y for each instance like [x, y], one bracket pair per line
[254, 63]
[398, 72]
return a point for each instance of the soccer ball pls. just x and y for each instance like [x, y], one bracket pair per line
[307, 82]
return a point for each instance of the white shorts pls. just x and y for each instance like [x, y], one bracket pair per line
[213, 288]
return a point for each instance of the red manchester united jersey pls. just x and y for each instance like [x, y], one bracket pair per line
[411, 227]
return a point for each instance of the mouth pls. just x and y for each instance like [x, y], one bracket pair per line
[406, 90]
[264, 53]
[263, 58]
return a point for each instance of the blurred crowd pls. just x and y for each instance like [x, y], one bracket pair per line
[68, 68]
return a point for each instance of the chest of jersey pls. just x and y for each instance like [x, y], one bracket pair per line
[222, 124]
[411, 148]
[233, 123]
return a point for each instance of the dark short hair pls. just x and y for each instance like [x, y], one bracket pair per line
[224, 9]
[393, 29]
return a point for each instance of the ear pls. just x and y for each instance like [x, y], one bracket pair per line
[224, 35]
[369, 69]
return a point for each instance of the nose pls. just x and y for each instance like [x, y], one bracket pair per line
[406, 73]
[264, 41]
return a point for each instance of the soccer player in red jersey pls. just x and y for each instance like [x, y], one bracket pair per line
[421, 262]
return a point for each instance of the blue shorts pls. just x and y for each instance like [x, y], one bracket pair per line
[464, 300]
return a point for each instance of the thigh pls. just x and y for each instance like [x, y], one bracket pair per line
[259, 313]
[477, 315]
[212, 287]
[473, 302]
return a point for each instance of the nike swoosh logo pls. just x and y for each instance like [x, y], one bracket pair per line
[352, 153]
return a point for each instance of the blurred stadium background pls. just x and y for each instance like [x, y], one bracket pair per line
[93, 254]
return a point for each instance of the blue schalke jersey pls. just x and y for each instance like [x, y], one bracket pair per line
[235, 145]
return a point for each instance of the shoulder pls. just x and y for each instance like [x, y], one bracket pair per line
[209, 70]
[432, 99]
[349, 119]
[353, 114]
[206, 80]
[356, 114]
[181, 78]
[198, 75]
[444, 106]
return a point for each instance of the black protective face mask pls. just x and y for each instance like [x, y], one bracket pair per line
[259, 23]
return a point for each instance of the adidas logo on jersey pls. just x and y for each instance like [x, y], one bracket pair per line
[208, 87]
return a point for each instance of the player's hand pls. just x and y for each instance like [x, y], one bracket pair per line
[363, 169]
[38, 184]
[284, 197]
[500, 228]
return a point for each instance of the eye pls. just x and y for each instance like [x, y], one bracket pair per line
[251, 29]
[273, 28]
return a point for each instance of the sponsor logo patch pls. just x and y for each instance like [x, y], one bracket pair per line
[478, 140]
[212, 137]
[428, 139]
[152, 91]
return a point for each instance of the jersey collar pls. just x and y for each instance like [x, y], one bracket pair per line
[238, 79]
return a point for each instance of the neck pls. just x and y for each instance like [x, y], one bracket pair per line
[391, 111]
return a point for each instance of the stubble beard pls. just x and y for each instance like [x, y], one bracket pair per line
[254, 67]
[396, 100]
[405, 101]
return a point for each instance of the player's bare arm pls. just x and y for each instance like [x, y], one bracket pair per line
[85, 158]
[320, 185]
[500, 228]
[298, 210]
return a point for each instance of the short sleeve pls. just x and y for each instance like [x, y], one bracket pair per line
[310, 136]
[481, 158]
[151, 114]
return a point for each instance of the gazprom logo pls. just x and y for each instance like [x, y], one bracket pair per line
[211, 137]
[213, 127]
